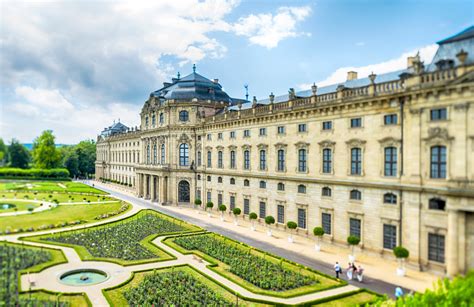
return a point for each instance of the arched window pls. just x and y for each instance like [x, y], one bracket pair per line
[220, 163]
[246, 183]
[183, 192]
[163, 154]
[355, 195]
[281, 160]
[356, 161]
[247, 159]
[198, 177]
[327, 161]
[183, 116]
[184, 154]
[147, 154]
[209, 158]
[390, 163]
[219, 179]
[390, 198]
[263, 184]
[232, 159]
[281, 186]
[162, 118]
[326, 191]
[232, 180]
[302, 189]
[438, 162]
[302, 160]
[437, 204]
[263, 160]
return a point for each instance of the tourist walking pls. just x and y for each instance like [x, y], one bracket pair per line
[360, 273]
[350, 271]
[398, 292]
[337, 269]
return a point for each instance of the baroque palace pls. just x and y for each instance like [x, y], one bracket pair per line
[388, 158]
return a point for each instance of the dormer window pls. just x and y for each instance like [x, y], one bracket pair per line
[183, 116]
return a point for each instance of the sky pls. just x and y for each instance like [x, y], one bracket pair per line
[75, 66]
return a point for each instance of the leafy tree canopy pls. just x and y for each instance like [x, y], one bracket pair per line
[45, 154]
[18, 155]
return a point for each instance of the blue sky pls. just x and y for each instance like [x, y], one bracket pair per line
[75, 66]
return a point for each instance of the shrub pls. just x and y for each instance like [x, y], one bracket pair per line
[269, 220]
[318, 231]
[353, 240]
[253, 216]
[209, 204]
[291, 225]
[222, 208]
[18, 173]
[197, 202]
[236, 211]
[400, 252]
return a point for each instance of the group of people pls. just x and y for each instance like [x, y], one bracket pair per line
[353, 272]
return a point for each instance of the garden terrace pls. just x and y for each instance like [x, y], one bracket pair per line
[61, 216]
[174, 286]
[125, 242]
[19, 259]
[49, 186]
[257, 271]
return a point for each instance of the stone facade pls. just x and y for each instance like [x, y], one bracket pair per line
[390, 161]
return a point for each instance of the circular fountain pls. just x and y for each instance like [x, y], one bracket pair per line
[4, 206]
[83, 277]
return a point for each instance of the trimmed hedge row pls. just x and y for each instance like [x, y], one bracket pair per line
[33, 173]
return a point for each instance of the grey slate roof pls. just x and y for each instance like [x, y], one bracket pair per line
[117, 127]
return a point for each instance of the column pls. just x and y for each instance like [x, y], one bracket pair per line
[452, 266]
[152, 183]
[158, 192]
[137, 185]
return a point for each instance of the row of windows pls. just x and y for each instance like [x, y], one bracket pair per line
[183, 117]
[437, 160]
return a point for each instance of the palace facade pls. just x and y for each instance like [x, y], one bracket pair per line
[388, 158]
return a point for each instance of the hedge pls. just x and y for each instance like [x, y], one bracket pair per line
[33, 173]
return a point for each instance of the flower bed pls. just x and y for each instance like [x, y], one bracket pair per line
[122, 240]
[242, 262]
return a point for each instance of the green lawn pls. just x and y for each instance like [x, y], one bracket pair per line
[60, 214]
[74, 300]
[360, 298]
[49, 186]
[115, 296]
[51, 196]
[19, 205]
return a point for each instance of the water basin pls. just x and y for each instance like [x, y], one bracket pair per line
[6, 206]
[83, 277]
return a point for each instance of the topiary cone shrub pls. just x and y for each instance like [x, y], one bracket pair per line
[291, 226]
[236, 213]
[253, 216]
[318, 232]
[197, 202]
[222, 209]
[269, 220]
[353, 241]
[209, 205]
[401, 253]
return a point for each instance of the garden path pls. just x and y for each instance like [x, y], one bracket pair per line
[46, 206]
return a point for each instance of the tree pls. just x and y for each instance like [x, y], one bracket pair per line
[318, 232]
[269, 220]
[86, 152]
[197, 202]
[209, 205]
[3, 153]
[19, 156]
[71, 162]
[45, 154]
[222, 209]
[401, 253]
[236, 212]
[353, 241]
[253, 216]
[291, 226]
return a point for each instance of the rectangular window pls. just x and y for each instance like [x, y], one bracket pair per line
[390, 164]
[302, 160]
[232, 202]
[327, 125]
[232, 159]
[262, 210]
[263, 160]
[209, 196]
[390, 119]
[302, 128]
[209, 137]
[232, 134]
[327, 161]
[436, 247]
[281, 160]
[438, 114]
[356, 161]
[209, 159]
[280, 214]
[246, 133]
[219, 199]
[356, 122]
[326, 223]
[301, 218]
[281, 129]
[262, 131]
[438, 162]
[246, 206]
[219, 136]
[389, 236]
[199, 158]
[246, 159]
[198, 194]
[354, 227]
[220, 163]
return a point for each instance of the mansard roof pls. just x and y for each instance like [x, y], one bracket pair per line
[117, 127]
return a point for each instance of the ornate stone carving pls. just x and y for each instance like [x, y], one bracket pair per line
[262, 146]
[389, 141]
[327, 143]
[356, 142]
[462, 106]
[302, 145]
[438, 133]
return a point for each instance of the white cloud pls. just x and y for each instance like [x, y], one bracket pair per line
[268, 29]
[340, 75]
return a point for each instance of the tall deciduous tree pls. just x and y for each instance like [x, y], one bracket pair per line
[3, 152]
[45, 154]
[18, 155]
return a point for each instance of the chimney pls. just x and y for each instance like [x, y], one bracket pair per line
[215, 81]
[351, 75]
